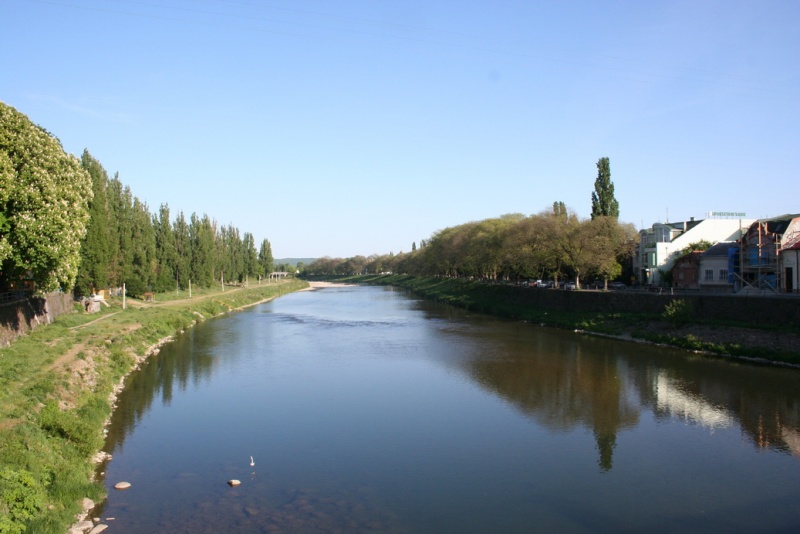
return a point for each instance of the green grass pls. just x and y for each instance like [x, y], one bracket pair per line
[51, 424]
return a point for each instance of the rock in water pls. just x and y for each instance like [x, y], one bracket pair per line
[234, 482]
[122, 485]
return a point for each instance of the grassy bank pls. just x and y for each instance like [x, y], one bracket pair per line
[674, 326]
[56, 387]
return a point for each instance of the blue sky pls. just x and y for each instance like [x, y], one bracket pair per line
[358, 127]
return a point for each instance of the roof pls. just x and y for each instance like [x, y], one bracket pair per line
[779, 224]
[719, 249]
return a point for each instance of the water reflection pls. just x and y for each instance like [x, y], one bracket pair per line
[557, 385]
[367, 410]
[557, 378]
[563, 380]
[188, 360]
[672, 397]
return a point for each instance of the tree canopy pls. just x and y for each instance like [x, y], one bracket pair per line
[44, 205]
[604, 204]
[552, 244]
[65, 225]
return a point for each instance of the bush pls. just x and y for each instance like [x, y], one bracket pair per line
[67, 425]
[678, 312]
[21, 498]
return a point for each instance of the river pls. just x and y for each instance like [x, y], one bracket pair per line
[367, 410]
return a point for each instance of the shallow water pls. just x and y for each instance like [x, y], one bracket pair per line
[367, 410]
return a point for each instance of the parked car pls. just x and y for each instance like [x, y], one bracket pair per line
[570, 286]
[617, 285]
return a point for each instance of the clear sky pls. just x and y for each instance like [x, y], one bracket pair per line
[358, 127]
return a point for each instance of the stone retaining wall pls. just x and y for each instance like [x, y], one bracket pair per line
[21, 316]
[745, 309]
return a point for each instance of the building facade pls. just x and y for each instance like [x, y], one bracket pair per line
[661, 245]
[768, 257]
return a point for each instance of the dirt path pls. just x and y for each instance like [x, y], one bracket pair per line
[133, 303]
[93, 322]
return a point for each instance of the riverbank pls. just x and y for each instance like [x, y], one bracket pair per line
[313, 285]
[58, 387]
[658, 320]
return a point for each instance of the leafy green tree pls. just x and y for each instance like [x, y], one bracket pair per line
[701, 245]
[143, 241]
[265, 258]
[166, 252]
[235, 254]
[603, 201]
[610, 239]
[201, 235]
[97, 247]
[44, 205]
[120, 208]
[183, 250]
[574, 240]
[527, 250]
[251, 266]
[559, 209]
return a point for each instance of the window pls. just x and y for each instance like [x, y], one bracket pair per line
[709, 274]
[723, 275]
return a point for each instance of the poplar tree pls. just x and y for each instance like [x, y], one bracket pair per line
[143, 240]
[201, 235]
[603, 201]
[96, 248]
[265, 258]
[251, 266]
[120, 208]
[166, 254]
[183, 250]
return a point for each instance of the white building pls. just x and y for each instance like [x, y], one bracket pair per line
[715, 267]
[660, 245]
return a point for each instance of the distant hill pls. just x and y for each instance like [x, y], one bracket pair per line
[293, 261]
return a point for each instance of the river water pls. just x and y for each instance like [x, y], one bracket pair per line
[367, 410]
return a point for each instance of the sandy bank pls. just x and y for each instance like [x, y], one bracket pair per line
[312, 286]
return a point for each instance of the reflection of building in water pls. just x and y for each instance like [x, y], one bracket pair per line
[674, 399]
[792, 440]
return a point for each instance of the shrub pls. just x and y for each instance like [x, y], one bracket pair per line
[678, 312]
[21, 498]
[67, 425]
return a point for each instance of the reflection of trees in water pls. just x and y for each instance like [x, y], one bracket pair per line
[560, 387]
[187, 359]
[563, 381]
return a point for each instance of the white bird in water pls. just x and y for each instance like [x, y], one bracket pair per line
[252, 462]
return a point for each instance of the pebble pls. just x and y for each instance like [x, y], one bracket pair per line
[122, 485]
[80, 528]
[234, 482]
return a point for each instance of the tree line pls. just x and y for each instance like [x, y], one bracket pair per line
[65, 225]
[553, 244]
